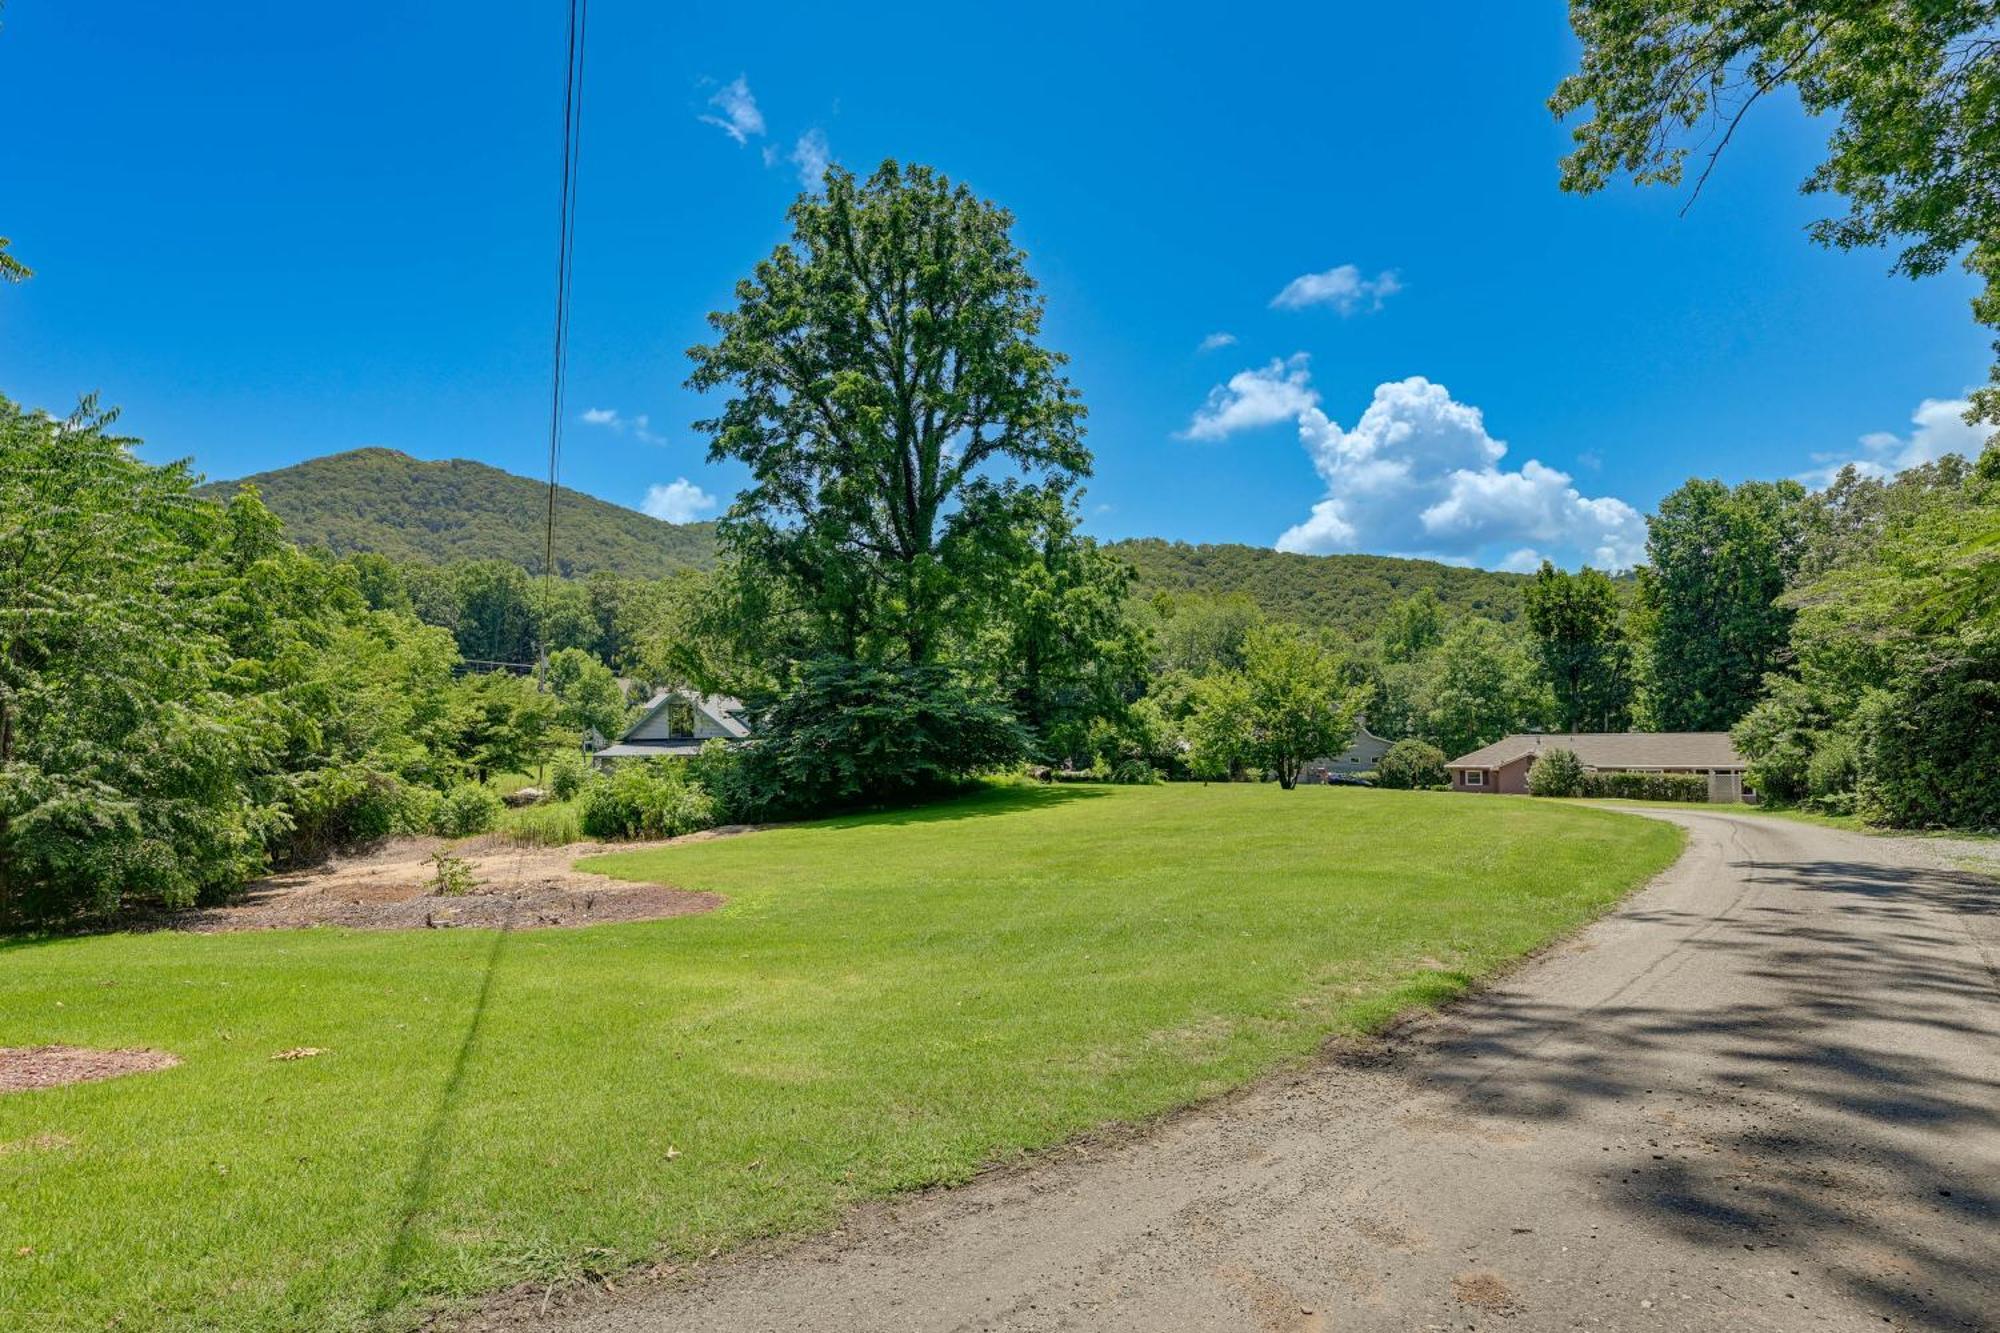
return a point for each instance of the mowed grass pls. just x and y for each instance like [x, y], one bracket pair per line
[885, 1002]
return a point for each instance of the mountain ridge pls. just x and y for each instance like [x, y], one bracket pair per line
[382, 500]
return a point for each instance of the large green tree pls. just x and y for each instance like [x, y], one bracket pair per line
[1913, 88]
[1290, 704]
[1718, 563]
[895, 408]
[1577, 620]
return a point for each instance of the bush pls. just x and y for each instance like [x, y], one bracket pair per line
[1692, 787]
[647, 798]
[1833, 770]
[451, 876]
[1135, 773]
[466, 809]
[851, 734]
[1558, 772]
[1410, 764]
[567, 775]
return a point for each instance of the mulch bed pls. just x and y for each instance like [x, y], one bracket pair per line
[529, 908]
[24, 1068]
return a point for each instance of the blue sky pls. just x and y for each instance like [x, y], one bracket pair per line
[268, 236]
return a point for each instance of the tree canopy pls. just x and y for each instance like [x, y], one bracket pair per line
[1913, 88]
[899, 418]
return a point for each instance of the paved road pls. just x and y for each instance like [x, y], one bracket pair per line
[1764, 1095]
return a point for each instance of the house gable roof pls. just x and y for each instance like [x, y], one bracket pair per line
[721, 709]
[1614, 749]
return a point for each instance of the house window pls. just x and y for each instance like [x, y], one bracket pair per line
[680, 718]
[1474, 778]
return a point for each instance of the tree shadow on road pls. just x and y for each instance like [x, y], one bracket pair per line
[1843, 1117]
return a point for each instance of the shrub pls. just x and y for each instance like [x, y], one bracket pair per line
[451, 876]
[1832, 771]
[648, 798]
[1410, 764]
[416, 809]
[567, 775]
[1647, 786]
[466, 809]
[1558, 772]
[850, 733]
[1134, 772]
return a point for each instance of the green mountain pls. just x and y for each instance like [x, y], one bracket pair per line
[385, 501]
[1347, 592]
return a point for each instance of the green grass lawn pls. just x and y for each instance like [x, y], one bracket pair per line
[884, 1003]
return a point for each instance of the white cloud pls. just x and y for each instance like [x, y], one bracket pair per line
[812, 156]
[1341, 287]
[1524, 561]
[1418, 475]
[640, 426]
[1252, 398]
[679, 501]
[740, 117]
[1215, 342]
[1940, 428]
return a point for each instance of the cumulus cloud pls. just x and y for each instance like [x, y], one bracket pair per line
[1419, 475]
[679, 501]
[739, 118]
[812, 156]
[1215, 342]
[1341, 287]
[610, 418]
[1280, 391]
[1938, 428]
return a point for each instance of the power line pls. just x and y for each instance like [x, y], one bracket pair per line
[572, 134]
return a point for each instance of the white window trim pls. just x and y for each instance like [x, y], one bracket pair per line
[1475, 777]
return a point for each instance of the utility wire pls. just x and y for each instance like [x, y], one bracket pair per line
[579, 19]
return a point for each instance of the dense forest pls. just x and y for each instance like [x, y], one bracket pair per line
[387, 502]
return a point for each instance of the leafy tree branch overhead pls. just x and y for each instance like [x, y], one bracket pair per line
[1915, 87]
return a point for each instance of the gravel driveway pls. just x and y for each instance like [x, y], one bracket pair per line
[1763, 1095]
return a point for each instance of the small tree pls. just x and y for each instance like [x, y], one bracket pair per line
[1557, 772]
[1411, 764]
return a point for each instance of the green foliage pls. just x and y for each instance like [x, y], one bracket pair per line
[645, 798]
[12, 269]
[1684, 787]
[567, 773]
[1720, 561]
[587, 694]
[1411, 765]
[895, 444]
[1557, 772]
[1289, 704]
[501, 723]
[123, 762]
[1833, 771]
[1913, 86]
[1349, 594]
[451, 876]
[1480, 683]
[548, 824]
[850, 734]
[465, 810]
[1581, 641]
[378, 500]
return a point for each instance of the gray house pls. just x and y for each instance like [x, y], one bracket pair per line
[676, 724]
[1364, 751]
[1502, 767]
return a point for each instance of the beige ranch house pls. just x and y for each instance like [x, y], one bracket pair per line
[1503, 766]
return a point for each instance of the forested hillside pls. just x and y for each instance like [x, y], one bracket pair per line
[1342, 592]
[408, 509]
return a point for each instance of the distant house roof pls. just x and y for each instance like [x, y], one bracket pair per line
[1615, 749]
[726, 712]
[652, 750]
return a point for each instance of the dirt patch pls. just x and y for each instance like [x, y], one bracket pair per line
[1486, 1291]
[24, 1068]
[389, 887]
